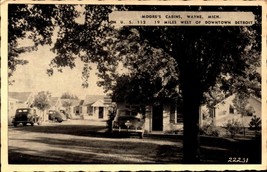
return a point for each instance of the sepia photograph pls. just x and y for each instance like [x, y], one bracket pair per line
[127, 84]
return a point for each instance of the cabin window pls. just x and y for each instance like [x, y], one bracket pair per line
[180, 118]
[89, 110]
[250, 111]
[176, 114]
[231, 109]
[172, 115]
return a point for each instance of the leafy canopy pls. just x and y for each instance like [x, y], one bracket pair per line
[68, 95]
[209, 56]
[42, 100]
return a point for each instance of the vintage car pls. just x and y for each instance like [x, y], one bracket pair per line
[65, 114]
[26, 116]
[55, 116]
[128, 121]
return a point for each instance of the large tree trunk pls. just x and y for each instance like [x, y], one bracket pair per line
[191, 131]
[192, 96]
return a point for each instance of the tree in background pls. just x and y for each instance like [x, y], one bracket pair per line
[202, 56]
[151, 76]
[68, 102]
[255, 124]
[42, 101]
[68, 95]
[241, 103]
[28, 21]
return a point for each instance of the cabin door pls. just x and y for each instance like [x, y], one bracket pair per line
[101, 113]
[157, 118]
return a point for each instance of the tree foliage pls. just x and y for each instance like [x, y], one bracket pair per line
[42, 100]
[241, 104]
[28, 21]
[85, 41]
[233, 127]
[68, 95]
[255, 123]
[206, 57]
[151, 75]
[67, 103]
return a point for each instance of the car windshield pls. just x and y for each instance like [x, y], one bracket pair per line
[23, 110]
[128, 113]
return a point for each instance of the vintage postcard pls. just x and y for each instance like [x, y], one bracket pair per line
[133, 86]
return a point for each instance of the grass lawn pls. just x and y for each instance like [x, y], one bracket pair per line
[85, 144]
[224, 148]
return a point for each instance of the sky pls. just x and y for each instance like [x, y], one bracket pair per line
[32, 77]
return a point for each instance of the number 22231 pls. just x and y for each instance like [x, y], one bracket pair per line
[237, 160]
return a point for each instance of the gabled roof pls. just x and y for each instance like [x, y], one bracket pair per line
[98, 103]
[231, 97]
[74, 102]
[20, 96]
[227, 99]
[255, 98]
[90, 99]
[53, 100]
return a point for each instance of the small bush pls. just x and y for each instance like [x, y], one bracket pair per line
[173, 131]
[255, 123]
[233, 127]
[209, 130]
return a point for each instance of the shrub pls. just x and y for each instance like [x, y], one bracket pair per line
[209, 130]
[255, 123]
[173, 131]
[233, 127]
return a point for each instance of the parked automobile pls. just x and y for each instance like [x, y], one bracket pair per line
[55, 116]
[26, 116]
[128, 121]
[66, 115]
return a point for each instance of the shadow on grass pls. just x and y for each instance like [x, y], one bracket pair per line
[98, 147]
[222, 150]
[95, 151]
[76, 130]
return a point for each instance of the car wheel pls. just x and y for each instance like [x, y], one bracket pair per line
[54, 120]
[39, 122]
[15, 124]
[24, 123]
